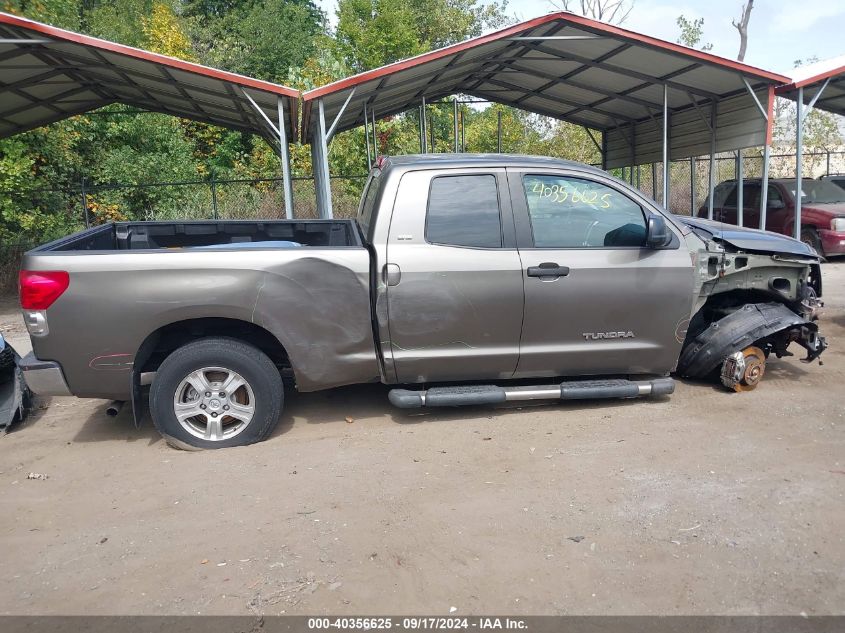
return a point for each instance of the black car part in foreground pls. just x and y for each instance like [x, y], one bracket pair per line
[15, 396]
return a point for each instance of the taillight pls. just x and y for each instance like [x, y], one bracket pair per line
[40, 288]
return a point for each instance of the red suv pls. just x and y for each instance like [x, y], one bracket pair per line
[822, 210]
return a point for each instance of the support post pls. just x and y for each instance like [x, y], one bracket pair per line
[654, 181]
[666, 146]
[367, 138]
[213, 194]
[84, 198]
[375, 136]
[284, 152]
[764, 186]
[287, 184]
[638, 177]
[711, 177]
[455, 121]
[325, 184]
[799, 160]
[827, 169]
[421, 131]
[431, 130]
[316, 174]
[424, 127]
[740, 189]
[463, 133]
[604, 150]
[499, 137]
[692, 180]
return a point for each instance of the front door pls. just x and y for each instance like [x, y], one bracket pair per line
[597, 301]
[454, 277]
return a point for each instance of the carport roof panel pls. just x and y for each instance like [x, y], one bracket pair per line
[813, 77]
[49, 74]
[589, 55]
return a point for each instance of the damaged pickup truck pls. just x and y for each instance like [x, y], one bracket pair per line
[465, 279]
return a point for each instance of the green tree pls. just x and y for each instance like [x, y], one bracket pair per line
[61, 13]
[692, 32]
[371, 33]
[264, 38]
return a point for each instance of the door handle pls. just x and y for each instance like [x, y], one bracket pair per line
[548, 269]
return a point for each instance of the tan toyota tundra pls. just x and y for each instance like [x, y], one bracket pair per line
[462, 277]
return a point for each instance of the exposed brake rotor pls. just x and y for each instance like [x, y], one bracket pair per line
[743, 371]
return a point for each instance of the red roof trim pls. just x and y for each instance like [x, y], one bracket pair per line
[809, 81]
[137, 53]
[577, 20]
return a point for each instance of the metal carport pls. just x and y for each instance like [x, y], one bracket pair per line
[652, 100]
[820, 85]
[48, 74]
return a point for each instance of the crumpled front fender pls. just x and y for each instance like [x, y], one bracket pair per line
[750, 324]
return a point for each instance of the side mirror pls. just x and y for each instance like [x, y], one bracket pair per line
[657, 233]
[776, 204]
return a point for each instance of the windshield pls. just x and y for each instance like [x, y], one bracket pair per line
[819, 191]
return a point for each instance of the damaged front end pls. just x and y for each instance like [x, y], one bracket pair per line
[752, 303]
[739, 343]
[15, 396]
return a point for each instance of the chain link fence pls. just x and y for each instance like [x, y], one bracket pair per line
[692, 175]
[68, 209]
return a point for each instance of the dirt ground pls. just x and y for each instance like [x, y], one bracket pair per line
[701, 503]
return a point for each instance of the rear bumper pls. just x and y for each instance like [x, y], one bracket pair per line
[833, 242]
[44, 377]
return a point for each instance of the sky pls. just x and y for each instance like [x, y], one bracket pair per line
[779, 33]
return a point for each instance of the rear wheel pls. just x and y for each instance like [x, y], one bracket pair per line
[216, 393]
[811, 238]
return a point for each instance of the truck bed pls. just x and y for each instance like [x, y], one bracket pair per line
[223, 234]
[306, 283]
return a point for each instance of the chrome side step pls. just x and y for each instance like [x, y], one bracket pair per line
[493, 394]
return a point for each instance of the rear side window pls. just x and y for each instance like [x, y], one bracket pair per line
[577, 213]
[464, 211]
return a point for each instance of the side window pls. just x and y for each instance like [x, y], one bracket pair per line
[773, 195]
[751, 195]
[464, 211]
[576, 213]
[365, 215]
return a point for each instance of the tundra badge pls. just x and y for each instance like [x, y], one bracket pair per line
[600, 335]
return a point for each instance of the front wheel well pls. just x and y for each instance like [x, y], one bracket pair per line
[167, 339]
[720, 305]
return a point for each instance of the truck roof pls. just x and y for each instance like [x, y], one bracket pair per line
[483, 160]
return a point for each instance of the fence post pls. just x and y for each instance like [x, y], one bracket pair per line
[84, 198]
[827, 170]
[213, 193]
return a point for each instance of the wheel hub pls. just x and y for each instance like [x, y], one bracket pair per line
[744, 370]
[214, 403]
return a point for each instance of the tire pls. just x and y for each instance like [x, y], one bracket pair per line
[811, 237]
[194, 378]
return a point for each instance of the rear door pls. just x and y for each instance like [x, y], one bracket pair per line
[454, 277]
[597, 301]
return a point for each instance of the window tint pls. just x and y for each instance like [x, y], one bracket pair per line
[576, 213]
[365, 215]
[464, 211]
[724, 195]
[751, 195]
